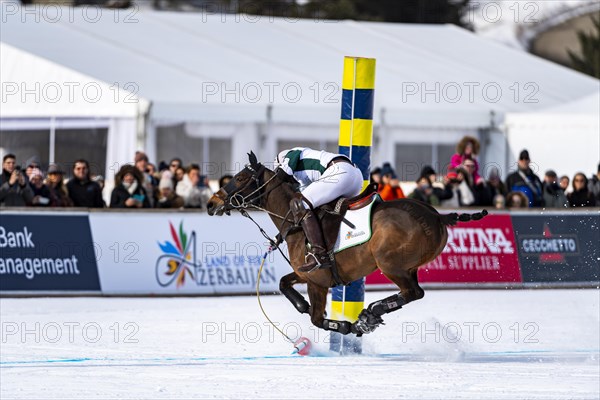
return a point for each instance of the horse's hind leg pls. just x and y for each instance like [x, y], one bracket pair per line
[286, 287]
[370, 318]
[409, 285]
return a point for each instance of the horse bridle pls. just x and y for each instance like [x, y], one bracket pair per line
[234, 200]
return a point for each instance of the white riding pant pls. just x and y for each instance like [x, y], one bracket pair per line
[340, 180]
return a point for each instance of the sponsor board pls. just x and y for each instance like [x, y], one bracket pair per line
[183, 254]
[559, 247]
[46, 252]
[481, 251]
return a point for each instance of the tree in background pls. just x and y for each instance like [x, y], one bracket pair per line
[589, 61]
[408, 11]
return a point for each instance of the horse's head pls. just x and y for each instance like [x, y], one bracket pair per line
[241, 192]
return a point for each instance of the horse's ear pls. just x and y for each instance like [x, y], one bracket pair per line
[252, 158]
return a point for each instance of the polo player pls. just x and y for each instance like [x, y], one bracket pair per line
[323, 177]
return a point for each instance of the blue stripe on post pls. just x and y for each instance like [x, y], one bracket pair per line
[356, 137]
[336, 293]
[363, 103]
[347, 104]
[356, 291]
[345, 150]
[361, 156]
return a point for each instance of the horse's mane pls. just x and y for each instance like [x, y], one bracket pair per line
[281, 175]
[287, 179]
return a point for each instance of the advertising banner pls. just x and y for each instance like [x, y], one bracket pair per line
[561, 247]
[183, 253]
[481, 251]
[46, 252]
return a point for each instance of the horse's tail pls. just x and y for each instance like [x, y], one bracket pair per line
[452, 218]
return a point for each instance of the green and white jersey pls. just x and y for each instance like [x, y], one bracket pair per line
[304, 164]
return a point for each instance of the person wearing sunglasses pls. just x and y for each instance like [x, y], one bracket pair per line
[581, 196]
[526, 181]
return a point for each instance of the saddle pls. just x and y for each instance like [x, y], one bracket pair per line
[331, 215]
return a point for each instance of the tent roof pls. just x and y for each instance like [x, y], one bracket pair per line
[192, 64]
[589, 104]
[35, 87]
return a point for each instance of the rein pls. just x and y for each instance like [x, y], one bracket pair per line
[242, 203]
[239, 202]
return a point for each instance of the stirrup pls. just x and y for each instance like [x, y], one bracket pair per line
[317, 266]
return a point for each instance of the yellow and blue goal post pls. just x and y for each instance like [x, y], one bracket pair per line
[355, 140]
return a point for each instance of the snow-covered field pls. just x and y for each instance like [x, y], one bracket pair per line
[489, 344]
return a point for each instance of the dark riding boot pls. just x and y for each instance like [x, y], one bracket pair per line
[317, 256]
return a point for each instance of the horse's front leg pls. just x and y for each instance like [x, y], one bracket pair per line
[318, 301]
[286, 287]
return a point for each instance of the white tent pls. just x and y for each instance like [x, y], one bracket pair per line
[38, 94]
[564, 138]
[248, 82]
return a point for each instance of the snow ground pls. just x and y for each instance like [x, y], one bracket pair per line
[487, 344]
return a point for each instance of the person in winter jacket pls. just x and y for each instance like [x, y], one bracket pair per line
[14, 187]
[424, 192]
[128, 191]
[594, 186]
[467, 149]
[82, 190]
[389, 188]
[194, 194]
[526, 181]
[441, 190]
[581, 196]
[554, 196]
[41, 192]
[59, 196]
[167, 198]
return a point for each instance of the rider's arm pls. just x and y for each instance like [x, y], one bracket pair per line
[281, 161]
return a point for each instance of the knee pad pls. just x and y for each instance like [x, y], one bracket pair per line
[297, 208]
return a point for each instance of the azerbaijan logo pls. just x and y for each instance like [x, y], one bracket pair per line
[179, 258]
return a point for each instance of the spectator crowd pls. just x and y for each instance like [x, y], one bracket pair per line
[463, 186]
[173, 185]
[137, 185]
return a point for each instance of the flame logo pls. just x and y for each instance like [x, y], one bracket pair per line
[176, 262]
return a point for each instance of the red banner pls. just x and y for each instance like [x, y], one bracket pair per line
[477, 252]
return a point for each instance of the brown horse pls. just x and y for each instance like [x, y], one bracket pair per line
[406, 235]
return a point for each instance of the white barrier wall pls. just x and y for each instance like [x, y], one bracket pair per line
[183, 253]
[49, 252]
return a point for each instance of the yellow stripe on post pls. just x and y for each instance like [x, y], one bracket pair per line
[362, 132]
[346, 310]
[345, 137]
[348, 76]
[355, 140]
[365, 73]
